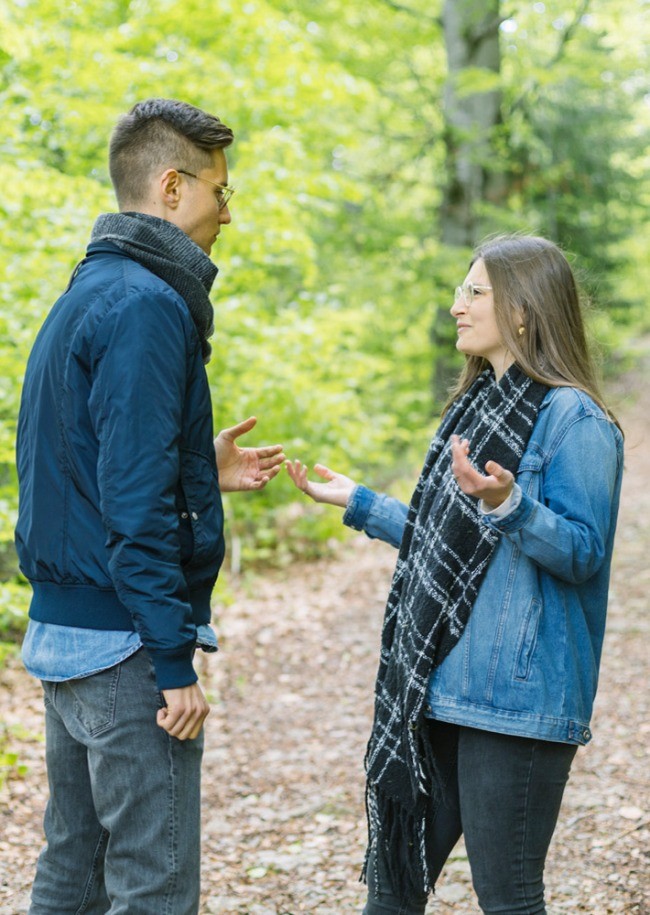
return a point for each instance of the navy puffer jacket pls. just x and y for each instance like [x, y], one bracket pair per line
[120, 521]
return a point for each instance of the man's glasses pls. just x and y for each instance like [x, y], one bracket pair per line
[467, 291]
[225, 192]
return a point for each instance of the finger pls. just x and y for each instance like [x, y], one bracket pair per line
[193, 726]
[324, 472]
[242, 428]
[498, 472]
[298, 474]
[460, 462]
[268, 451]
[170, 720]
[185, 723]
[292, 469]
[276, 460]
[261, 482]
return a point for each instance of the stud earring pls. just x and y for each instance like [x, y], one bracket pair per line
[521, 331]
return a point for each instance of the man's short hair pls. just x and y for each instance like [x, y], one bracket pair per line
[157, 134]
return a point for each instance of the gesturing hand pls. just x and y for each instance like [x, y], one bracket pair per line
[336, 491]
[493, 489]
[184, 713]
[245, 468]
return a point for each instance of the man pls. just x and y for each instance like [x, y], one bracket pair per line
[120, 524]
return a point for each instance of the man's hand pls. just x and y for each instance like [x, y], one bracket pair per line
[185, 712]
[245, 468]
[336, 491]
[493, 489]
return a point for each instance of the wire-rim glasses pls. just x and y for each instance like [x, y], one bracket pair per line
[225, 194]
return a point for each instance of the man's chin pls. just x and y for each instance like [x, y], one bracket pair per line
[211, 244]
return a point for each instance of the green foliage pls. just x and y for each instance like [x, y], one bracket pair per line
[10, 764]
[331, 271]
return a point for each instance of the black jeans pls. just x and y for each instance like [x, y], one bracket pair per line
[503, 794]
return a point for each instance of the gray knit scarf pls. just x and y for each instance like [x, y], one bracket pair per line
[443, 557]
[167, 251]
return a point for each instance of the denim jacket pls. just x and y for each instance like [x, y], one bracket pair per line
[527, 662]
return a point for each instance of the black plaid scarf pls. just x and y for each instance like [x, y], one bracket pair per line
[444, 554]
[169, 253]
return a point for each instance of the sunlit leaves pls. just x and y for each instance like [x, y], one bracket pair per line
[331, 270]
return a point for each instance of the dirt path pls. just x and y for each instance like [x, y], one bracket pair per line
[284, 825]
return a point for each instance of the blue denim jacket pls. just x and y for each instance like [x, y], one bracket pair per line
[527, 662]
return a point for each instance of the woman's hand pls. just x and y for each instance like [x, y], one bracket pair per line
[336, 491]
[493, 489]
[242, 469]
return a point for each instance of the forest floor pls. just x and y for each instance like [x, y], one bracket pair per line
[291, 692]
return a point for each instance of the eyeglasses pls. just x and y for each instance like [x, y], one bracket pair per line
[225, 192]
[467, 291]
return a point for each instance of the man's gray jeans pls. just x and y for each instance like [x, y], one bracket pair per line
[123, 821]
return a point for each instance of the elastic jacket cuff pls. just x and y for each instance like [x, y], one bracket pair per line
[173, 670]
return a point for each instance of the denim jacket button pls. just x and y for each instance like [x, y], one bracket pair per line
[184, 515]
[194, 516]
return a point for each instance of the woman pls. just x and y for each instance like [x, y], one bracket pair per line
[495, 619]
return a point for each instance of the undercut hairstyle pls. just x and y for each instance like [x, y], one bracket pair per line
[539, 316]
[158, 134]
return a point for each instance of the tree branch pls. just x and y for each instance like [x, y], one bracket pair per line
[418, 14]
[568, 33]
[565, 37]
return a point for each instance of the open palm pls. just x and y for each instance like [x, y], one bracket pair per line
[245, 468]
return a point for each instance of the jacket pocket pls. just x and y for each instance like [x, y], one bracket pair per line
[527, 639]
[529, 470]
[200, 510]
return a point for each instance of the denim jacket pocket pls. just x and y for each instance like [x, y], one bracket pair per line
[528, 471]
[527, 639]
[200, 509]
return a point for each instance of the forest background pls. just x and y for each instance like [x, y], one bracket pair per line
[376, 142]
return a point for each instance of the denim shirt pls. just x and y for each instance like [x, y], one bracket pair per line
[57, 653]
[527, 661]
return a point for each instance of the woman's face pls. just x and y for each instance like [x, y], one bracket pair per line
[478, 334]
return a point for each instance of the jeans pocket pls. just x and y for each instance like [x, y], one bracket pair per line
[95, 698]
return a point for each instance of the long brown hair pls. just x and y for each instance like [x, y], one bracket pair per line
[533, 286]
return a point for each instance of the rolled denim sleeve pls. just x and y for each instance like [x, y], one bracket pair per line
[379, 516]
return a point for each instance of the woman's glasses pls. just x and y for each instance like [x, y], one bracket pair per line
[467, 291]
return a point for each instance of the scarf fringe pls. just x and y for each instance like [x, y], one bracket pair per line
[399, 833]
[399, 838]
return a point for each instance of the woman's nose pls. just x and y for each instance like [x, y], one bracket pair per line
[458, 307]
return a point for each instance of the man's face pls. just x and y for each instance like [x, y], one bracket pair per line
[198, 213]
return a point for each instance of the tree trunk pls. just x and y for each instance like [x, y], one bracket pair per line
[471, 29]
